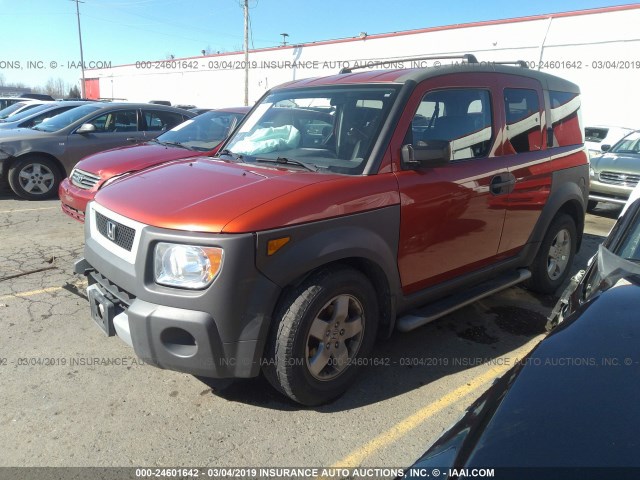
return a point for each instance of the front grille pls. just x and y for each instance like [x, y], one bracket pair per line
[82, 179]
[123, 236]
[622, 179]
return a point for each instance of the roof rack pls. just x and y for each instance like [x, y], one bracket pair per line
[467, 56]
[520, 63]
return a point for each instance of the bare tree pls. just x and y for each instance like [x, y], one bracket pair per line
[56, 87]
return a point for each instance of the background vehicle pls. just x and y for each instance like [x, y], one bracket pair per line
[603, 136]
[32, 117]
[533, 417]
[18, 107]
[7, 101]
[339, 209]
[37, 96]
[195, 137]
[615, 173]
[35, 160]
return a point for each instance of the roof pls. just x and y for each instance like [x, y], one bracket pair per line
[404, 75]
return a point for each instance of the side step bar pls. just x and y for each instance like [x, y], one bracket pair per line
[433, 311]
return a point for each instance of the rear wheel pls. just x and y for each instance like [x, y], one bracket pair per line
[553, 262]
[34, 177]
[326, 326]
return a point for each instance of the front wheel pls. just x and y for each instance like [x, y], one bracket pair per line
[34, 178]
[553, 262]
[326, 328]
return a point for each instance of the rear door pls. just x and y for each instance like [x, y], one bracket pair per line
[450, 224]
[525, 152]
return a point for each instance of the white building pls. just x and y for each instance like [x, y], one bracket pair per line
[598, 49]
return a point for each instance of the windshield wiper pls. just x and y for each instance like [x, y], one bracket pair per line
[228, 153]
[289, 161]
[176, 144]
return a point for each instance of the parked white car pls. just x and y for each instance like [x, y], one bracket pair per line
[600, 135]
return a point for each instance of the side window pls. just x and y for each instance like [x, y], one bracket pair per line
[158, 120]
[565, 118]
[114, 122]
[461, 116]
[522, 112]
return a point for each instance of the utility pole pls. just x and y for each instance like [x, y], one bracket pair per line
[82, 90]
[246, 52]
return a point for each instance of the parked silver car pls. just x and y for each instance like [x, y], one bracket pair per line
[35, 160]
[614, 174]
[32, 117]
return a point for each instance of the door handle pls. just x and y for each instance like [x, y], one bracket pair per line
[132, 139]
[500, 186]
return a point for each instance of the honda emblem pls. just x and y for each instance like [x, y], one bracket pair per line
[111, 231]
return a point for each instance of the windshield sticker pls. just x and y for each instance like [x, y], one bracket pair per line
[182, 125]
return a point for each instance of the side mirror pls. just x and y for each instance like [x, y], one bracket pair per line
[605, 148]
[434, 153]
[86, 128]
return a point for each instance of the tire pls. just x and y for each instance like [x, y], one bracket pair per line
[554, 258]
[339, 304]
[591, 205]
[34, 177]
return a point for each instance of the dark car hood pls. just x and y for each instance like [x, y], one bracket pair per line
[573, 402]
[617, 162]
[132, 158]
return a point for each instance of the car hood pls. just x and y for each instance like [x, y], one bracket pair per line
[616, 162]
[585, 373]
[132, 158]
[210, 195]
[13, 136]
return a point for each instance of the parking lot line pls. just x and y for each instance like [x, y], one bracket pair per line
[27, 210]
[31, 293]
[355, 458]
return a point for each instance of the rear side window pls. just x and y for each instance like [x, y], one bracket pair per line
[565, 118]
[522, 113]
[120, 121]
[158, 120]
[459, 116]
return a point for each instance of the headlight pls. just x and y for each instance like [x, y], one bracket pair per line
[592, 172]
[186, 266]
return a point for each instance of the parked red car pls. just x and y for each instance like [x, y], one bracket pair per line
[195, 137]
[340, 209]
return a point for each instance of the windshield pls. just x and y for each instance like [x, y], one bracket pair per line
[203, 132]
[11, 108]
[27, 113]
[331, 129]
[593, 134]
[620, 258]
[629, 144]
[58, 122]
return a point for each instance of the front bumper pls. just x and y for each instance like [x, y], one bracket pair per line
[606, 192]
[74, 200]
[217, 332]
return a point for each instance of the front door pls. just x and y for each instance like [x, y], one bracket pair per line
[450, 224]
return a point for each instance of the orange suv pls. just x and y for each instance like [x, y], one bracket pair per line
[340, 209]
